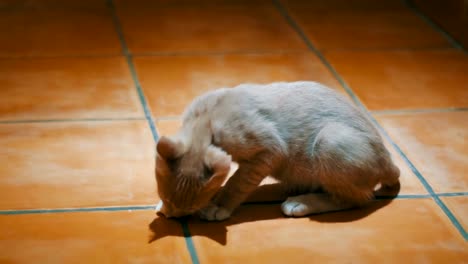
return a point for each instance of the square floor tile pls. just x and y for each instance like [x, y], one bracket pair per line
[398, 232]
[62, 88]
[172, 82]
[459, 207]
[73, 164]
[57, 32]
[91, 237]
[207, 28]
[388, 80]
[436, 144]
[410, 184]
[345, 27]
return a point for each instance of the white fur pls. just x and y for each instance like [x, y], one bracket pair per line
[302, 133]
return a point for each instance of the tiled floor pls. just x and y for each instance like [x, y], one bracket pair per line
[87, 87]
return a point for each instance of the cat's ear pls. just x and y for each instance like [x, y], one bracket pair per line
[220, 163]
[169, 148]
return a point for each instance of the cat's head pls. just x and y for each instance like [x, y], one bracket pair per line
[188, 177]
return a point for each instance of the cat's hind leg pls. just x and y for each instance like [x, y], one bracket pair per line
[389, 182]
[312, 203]
[348, 165]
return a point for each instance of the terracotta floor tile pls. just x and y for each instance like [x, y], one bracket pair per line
[395, 233]
[368, 28]
[172, 82]
[57, 32]
[49, 165]
[168, 127]
[459, 207]
[405, 79]
[62, 60]
[208, 28]
[91, 237]
[67, 88]
[436, 144]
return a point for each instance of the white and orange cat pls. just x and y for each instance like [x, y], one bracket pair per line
[303, 134]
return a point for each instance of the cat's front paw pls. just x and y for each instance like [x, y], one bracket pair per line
[214, 213]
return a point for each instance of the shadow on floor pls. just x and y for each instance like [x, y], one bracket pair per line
[264, 205]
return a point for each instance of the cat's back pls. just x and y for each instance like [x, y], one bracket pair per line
[297, 109]
[273, 95]
[286, 116]
[290, 101]
[288, 104]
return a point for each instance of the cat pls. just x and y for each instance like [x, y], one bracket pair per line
[304, 134]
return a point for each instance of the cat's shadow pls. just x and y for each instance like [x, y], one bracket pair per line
[264, 205]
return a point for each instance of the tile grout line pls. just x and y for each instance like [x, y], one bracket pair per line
[63, 56]
[375, 112]
[358, 103]
[452, 194]
[131, 66]
[78, 209]
[178, 117]
[390, 49]
[218, 53]
[185, 228]
[26, 121]
[153, 207]
[455, 44]
[419, 111]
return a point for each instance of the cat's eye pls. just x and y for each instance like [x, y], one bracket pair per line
[207, 172]
[173, 163]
